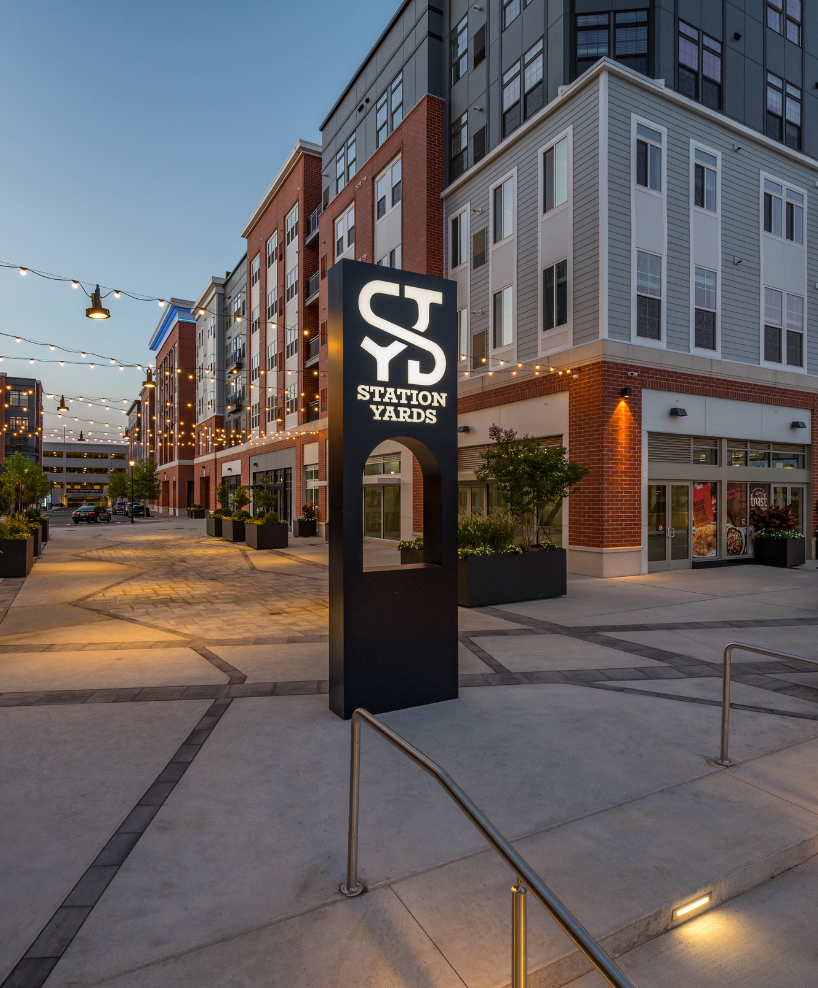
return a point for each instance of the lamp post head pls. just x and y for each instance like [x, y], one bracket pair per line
[96, 311]
[62, 407]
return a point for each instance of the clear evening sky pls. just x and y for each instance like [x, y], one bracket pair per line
[137, 139]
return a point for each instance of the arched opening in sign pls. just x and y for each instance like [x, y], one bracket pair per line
[400, 503]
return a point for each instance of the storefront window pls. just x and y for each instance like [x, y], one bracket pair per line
[788, 461]
[705, 520]
[738, 535]
[706, 454]
[759, 458]
[794, 497]
[382, 512]
[311, 484]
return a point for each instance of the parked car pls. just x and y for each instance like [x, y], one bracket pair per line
[90, 513]
[136, 509]
[118, 508]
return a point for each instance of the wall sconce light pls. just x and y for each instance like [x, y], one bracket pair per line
[798, 425]
[736, 36]
[679, 412]
[625, 392]
[463, 428]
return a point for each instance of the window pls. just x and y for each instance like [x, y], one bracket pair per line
[790, 25]
[772, 325]
[479, 45]
[18, 423]
[555, 295]
[705, 309]
[292, 224]
[291, 342]
[292, 399]
[272, 355]
[783, 212]
[699, 54]
[388, 190]
[478, 248]
[340, 169]
[396, 101]
[462, 334]
[704, 180]
[780, 348]
[344, 232]
[292, 284]
[459, 239]
[460, 145]
[794, 21]
[592, 40]
[478, 349]
[254, 367]
[511, 99]
[389, 110]
[272, 405]
[479, 145]
[631, 42]
[775, 18]
[783, 112]
[533, 79]
[18, 398]
[255, 320]
[381, 120]
[555, 176]
[460, 50]
[255, 270]
[392, 259]
[254, 415]
[648, 158]
[510, 10]
[502, 317]
[504, 210]
[795, 331]
[352, 158]
[272, 304]
[648, 295]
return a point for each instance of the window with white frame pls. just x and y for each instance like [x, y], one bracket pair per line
[704, 321]
[272, 304]
[533, 79]
[292, 399]
[503, 313]
[255, 320]
[272, 355]
[511, 99]
[272, 250]
[460, 49]
[511, 8]
[392, 259]
[555, 175]
[292, 224]
[503, 210]
[272, 406]
[344, 232]
[783, 328]
[704, 180]
[555, 295]
[254, 415]
[254, 367]
[255, 270]
[648, 295]
[388, 190]
[648, 158]
[291, 342]
[462, 334]
[460, 145]
[291, 290]
[783, 211]
[459, 239]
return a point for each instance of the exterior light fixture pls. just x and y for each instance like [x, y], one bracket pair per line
[679, 412]
[685, 910]
[463, 428]
[149, 382]
[81, 438]
[625, 392]
[798, 425]
[96, 311]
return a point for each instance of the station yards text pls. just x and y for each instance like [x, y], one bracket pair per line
[402, 397]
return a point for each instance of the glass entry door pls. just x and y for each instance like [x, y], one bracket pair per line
[668, 526]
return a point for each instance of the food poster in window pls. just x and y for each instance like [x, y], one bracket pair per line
[759, 501]
[705, 513]
[737, 522]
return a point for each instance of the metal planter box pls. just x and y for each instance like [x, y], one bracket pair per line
[232, 531]
[44, 527]
[17, 556]
[411, 556]
[780, 552]
[266, 536]
[505, 578]
[37, 536]
[195, 512]
[214, 527]
[305, 529]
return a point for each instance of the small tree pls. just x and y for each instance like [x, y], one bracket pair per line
[21, 483]
[223, 494]
[528, 476]
[264, 500]
[145, 481]
[119, 485]
[240, 498]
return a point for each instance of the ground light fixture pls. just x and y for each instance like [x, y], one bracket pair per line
[96, 311]
[690, 907]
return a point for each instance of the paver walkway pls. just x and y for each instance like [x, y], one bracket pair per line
[173, 787]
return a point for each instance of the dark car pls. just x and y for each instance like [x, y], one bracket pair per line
[89, 513]
[136, 509]
[118, 508]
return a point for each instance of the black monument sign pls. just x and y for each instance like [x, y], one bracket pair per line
[392, 373]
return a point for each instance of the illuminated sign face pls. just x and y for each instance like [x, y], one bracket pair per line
[397, 404]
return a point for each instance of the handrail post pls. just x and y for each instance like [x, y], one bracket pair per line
[723, 758]
[519, 965]
[352, 886]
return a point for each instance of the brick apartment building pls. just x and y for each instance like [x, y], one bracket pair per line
[22, 417]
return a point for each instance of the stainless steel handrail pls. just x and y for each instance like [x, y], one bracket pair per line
[527, 878]
[725, 696]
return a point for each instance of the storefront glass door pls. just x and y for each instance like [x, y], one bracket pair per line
[794, 497]
[382, 512]
[668, 526]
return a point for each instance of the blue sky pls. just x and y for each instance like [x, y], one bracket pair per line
[137, 139]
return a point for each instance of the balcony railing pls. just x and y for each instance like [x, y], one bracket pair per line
[312, 225]
[235, 358]
[312, 289]
[311, 351]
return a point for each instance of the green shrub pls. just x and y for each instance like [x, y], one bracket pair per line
[15, 527]
[414, 544]
[270, 518]
[493, 532]
[241, 516]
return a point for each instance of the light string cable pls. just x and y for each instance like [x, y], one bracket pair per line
[65, 349]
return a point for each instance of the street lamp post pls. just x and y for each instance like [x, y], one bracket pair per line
[132, 510]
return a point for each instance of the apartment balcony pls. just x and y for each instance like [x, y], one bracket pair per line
[312, 290]
[312, 226]
[313, 412]
[311, 351]
[235, 360]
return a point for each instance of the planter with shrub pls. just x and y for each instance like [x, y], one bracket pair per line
[213, 524]
[233, 526]
[195, 511]
[16, 547]
[34, 515]
[306, 525]
[411, 553]
[266, 532]
[777, 541]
